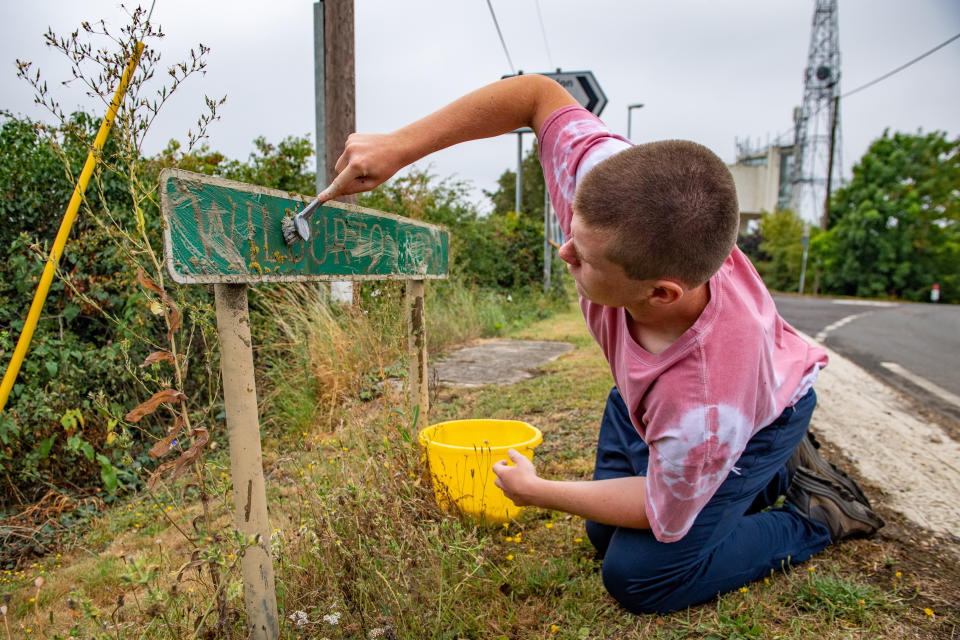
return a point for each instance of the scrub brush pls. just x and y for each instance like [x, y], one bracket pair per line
[297, 227]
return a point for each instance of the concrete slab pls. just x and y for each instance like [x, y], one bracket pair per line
[499, 362]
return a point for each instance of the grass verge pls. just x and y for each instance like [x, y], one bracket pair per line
[362, 551]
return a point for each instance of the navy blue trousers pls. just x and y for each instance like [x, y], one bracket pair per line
[734, 540]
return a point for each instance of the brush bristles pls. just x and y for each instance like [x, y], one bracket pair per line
[289, 229]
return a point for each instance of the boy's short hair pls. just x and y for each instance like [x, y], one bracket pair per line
[671, 207]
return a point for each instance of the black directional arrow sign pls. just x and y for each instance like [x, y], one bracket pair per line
[583, 87]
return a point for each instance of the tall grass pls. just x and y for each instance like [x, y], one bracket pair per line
[362, 549]
[312, 356]
[458, 312]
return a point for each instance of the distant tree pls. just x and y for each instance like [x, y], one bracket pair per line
[420, 195]
[749, 243]
[515, 256]
[895, 229]
[285, 165]
[532, 186]
[782, 249]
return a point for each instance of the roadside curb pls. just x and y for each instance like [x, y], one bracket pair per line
[915, 463]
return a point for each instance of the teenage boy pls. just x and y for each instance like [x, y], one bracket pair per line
[706, 426]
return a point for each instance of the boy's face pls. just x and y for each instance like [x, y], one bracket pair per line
[598, 279]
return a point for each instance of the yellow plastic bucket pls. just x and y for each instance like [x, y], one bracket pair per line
[460, 455]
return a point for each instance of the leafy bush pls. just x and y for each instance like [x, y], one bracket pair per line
[63, 430]
[895, 229]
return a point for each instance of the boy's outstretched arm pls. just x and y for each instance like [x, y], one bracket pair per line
[617, 501]
[501, 107]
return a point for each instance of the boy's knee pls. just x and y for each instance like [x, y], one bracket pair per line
[644, 578]
[636, 593]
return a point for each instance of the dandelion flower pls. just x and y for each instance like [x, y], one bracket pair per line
[766, 581]
[578, 539]
[509, 539]
[928, 611]
[510, 557]
[743, 589]
[811, 569]
[554, 628]
[549, 525]
[898, 575]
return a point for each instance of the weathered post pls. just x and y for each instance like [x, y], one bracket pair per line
[243, 432]
[419, 389]
[229, 234]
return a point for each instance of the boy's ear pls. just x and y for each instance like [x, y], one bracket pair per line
[665, 292]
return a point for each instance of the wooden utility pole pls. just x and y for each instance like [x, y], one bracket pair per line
[340, 82]
[340, 97]
[833, 146]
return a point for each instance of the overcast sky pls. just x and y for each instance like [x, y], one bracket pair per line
[706, 70]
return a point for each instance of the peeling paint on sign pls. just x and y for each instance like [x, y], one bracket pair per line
[219, 230]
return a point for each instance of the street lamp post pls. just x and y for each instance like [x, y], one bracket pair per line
[630, 108]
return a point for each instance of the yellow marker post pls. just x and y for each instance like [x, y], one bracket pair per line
[33, 316]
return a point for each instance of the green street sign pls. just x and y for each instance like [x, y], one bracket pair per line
[219, 231]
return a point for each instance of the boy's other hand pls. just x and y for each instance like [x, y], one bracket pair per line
[518, 482]
[368, 160]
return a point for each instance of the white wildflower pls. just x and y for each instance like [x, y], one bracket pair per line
[300, 619]
[332, 618]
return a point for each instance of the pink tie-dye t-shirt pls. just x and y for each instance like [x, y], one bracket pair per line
[699, 402]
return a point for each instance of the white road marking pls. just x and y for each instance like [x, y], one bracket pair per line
[866, 303]
[820, 337]
[923, 383]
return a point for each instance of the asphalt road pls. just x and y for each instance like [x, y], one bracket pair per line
[913, 347]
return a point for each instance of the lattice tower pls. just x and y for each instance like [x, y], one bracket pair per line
[816, 118]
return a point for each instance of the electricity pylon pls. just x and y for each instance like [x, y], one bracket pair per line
[817, 119]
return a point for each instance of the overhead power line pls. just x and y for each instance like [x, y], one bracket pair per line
[883, 77]
[901, 67]
[502, 41]
[543, 32]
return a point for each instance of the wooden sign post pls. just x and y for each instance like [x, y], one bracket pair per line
[229, 234]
